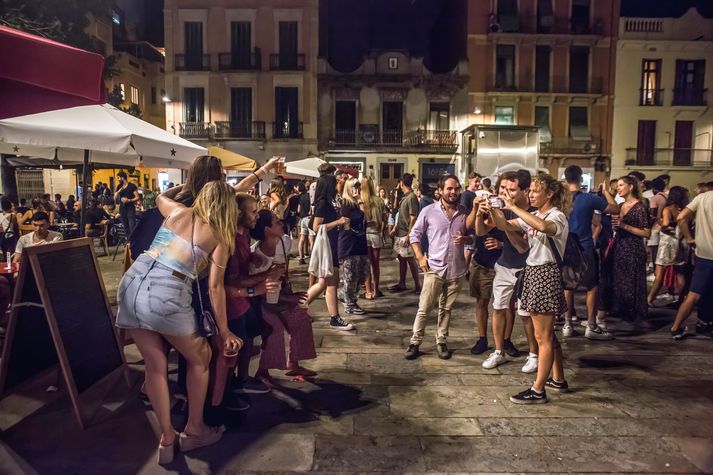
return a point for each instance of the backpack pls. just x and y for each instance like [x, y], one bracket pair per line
[573, 266]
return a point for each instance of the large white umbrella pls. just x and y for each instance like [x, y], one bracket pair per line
[110, 135]
[305, 167]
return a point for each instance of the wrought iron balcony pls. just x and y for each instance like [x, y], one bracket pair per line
[690, 97]
[287, 62]
[421, 139]
[670, 157]
[560, 85]
[287, 130]
[240, 60]
[650, 97]
[545, 24]
[570, 146]
[240, 130]
[192, 62]
[194, 129]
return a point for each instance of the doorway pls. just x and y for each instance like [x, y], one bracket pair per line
[389, 174]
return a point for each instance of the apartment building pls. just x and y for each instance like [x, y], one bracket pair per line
[663, 122]
[391, 87]
[549, 64]
[240, 74]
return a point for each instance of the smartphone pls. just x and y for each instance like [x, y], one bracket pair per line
[496, 202]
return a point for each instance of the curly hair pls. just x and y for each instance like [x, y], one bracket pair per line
[560, 198]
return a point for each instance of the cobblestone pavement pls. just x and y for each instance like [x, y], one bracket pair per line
[640, 403]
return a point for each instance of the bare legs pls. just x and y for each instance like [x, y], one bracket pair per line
[656, 286]
[684, 311]
[481, 318]
[409, 262]
[372, 280]
[197, 354]
[550, 354]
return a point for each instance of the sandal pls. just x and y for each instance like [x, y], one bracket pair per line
[167, 452]
[397, 288]
[300, 371]
[191, 442]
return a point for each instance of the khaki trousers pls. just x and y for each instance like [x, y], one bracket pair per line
[435, 290]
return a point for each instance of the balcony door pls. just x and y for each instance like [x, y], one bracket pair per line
[193, 104]
[240, 43]
[241, 111]
[646, 142]
[345, 122]
[542, 68]
[578, 68]
[690, 78]
[288, 44]
[505, 67]
[286, 116]
[193, 44]
[392, 119]
[390, 174]
[683, 143]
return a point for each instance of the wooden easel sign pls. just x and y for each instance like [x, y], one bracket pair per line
[60, 314]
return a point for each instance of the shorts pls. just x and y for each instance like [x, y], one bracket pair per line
[402, 249]
[468, 247]
[481, 282]
[504, 287]
[655, 237]
[150, 297]
[305, 230]
[374, 240]
[250, 324]
[590, 279]
[702, 280]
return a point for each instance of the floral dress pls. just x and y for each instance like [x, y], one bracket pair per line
[624, 272]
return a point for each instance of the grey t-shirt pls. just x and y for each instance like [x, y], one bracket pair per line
[407, 208]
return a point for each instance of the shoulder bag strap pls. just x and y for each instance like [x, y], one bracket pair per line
[553, 246]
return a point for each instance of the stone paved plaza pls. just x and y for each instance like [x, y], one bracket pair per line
[640, 404]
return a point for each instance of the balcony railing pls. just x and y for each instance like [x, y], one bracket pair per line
[670, 157]
[570, 146]
[650, 97]
[287, 62]
[643, 25]
[690, 97]
[560, 85]
[530, 24]
[287, 130]
[192, 62]
[194, 129]
[240, 60]
[240, 130]
[437, 140]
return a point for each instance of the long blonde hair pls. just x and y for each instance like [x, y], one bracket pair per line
[347, 195]
[215, 204]
[373, 204]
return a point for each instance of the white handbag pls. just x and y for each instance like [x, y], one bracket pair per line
[320, 263]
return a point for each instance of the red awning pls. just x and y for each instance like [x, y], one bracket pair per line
[39, 75]
[351, 171]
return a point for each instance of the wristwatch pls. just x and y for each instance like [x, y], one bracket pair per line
[251, 291]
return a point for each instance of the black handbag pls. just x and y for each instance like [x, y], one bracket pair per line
[207, 325]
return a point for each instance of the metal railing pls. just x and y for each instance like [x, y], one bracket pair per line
[254, 130]
[194, 129]
[650, 97]
[287, 130]
[670, 157]
[560, 85]
[192, 62]
[240, 60]
[530, 24]
[568, 145]
[643, 25]
[690, 97]
[414, 139]
[287, 62]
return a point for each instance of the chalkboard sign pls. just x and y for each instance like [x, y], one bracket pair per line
[60, 313]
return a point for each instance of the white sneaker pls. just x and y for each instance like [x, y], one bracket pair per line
[530, 364]
[495, 359]
[567, 329]
[600, 323]
[598, 333]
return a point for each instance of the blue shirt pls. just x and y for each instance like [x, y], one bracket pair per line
[580, 219]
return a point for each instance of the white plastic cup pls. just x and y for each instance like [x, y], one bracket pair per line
[273, 296]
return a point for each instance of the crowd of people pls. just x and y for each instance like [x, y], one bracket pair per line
[216, 274]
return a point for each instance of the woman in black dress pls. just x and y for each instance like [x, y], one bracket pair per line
[624, 281]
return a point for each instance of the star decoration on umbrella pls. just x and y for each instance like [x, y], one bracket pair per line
[173, 152]
[15, 149]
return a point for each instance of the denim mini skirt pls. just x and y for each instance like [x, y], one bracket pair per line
[150, 297]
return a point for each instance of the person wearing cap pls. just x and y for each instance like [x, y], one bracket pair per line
[127, 195]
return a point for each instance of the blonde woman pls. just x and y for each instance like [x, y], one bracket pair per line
[375, 213]
[154, 298]
[542, 291]
[352, 248]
